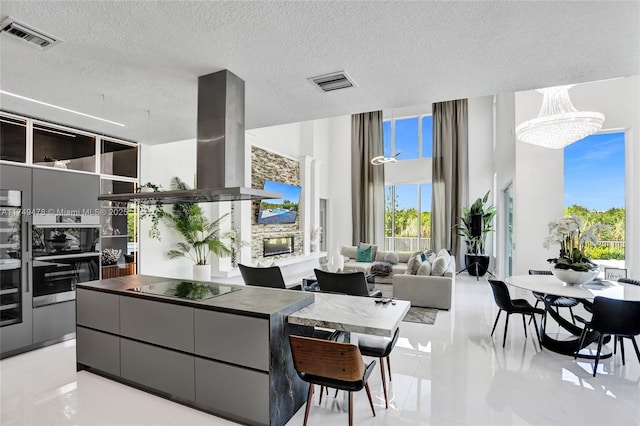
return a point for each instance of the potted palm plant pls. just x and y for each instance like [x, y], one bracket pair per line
[475, 223]
[201, 235]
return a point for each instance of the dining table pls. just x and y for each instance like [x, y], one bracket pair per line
[364, 315]
[567, 340]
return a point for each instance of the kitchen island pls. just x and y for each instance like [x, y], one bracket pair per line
[217, 347]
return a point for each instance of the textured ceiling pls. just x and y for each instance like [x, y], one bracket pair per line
[120, 60]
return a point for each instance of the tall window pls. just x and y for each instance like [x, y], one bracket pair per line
[408, 205]
[411, 137]
[594, 188]
[408, 217]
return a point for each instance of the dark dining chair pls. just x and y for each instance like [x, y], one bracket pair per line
[612, 317]
[351, 283]
[271, 277]
[555, 301]
[379, 347]
[331, 364]
[512, 306]
[262, 277]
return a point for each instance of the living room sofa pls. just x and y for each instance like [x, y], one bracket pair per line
[350, 263]
[410, 282]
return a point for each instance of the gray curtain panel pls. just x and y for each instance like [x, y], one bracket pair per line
[450, 173]
[367, 180]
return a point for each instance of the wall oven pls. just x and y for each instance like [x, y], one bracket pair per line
[65, 253]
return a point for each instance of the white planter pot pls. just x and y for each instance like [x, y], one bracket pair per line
[572, 277]
[202, 272]
[314, 245]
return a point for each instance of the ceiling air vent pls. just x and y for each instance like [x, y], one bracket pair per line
[333, 81]
[18, 30]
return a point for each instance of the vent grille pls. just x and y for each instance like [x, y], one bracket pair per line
[20, 31]
[334, 81]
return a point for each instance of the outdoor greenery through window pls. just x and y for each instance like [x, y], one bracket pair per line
[594, 188]
[408, 206]
[407, 217]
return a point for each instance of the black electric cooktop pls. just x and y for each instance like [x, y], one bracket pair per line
[186, 289]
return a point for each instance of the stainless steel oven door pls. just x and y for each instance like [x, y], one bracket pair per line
[55, 277]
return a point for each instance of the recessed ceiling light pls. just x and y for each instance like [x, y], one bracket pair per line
[4, 92]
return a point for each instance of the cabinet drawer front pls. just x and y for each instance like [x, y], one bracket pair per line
[156, 322]
[232, 390]
[54, 321]
[232, 338]
[97, 309]
[161, 369]
[98, 350]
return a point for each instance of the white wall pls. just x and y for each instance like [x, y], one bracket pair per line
[504, 158]
[159, 163]
[481, 167]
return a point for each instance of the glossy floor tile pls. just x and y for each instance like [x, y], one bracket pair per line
[449, 373]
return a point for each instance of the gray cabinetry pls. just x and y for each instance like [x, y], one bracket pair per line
[232, 363]
[232, 338]
[159, 323]
[16, 319]
[52, 321]
[158, 368]
[233, 390]
[64, 190]
[98, 310]
[98, 350]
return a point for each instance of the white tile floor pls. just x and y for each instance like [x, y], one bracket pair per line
[449, 373]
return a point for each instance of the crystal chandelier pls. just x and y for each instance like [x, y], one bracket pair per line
[558, 123]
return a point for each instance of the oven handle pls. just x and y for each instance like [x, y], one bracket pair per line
[26, 249]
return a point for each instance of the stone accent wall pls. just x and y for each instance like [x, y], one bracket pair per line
[266, 165]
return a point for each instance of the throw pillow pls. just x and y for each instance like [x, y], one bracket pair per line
[374, 249]
[440, 265]
[442, 252]
[363, 254]
[414, 263]
[391, 257]
[425, 268]
[349, 251]
[423, 256]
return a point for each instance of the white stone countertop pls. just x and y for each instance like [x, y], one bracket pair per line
[352, 313]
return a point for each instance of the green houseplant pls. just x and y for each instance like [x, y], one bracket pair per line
[201, 235]
[475, 223]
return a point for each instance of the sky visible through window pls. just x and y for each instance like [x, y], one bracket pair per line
[594, 172]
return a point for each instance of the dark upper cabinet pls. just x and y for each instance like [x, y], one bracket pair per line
[13, 138]
[59, 189]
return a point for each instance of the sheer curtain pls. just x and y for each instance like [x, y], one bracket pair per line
[450, 173]
[367, 180]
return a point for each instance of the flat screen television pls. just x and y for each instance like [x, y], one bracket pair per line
[281, 210]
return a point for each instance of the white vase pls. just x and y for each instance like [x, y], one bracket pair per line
[313, 244]
[336, 260]
[202, 272]
[572, 277]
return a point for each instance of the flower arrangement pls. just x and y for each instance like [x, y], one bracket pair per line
[573, 237]
[110, 256]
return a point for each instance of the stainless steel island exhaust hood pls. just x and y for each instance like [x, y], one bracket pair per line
[220, 174]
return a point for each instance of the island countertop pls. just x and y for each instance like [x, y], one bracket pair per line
[256, 301]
